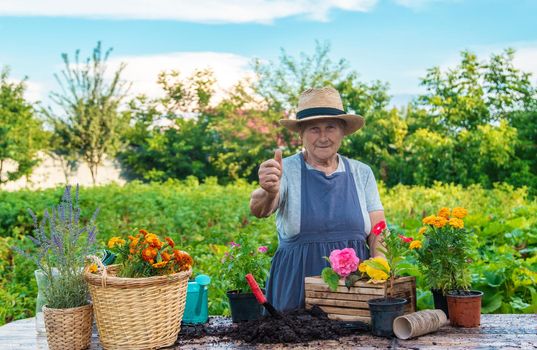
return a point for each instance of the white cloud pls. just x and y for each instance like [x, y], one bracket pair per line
[421, 4]
[34, 91]
[143, 71]
[218, 11]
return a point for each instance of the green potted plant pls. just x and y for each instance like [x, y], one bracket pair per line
[240, 258]
[62, 241]
[444, 260]
[385, 270]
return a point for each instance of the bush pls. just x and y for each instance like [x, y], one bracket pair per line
[202, 218]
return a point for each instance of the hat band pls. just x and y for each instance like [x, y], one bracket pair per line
[313, 112]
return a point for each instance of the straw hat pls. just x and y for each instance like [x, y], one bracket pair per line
[322, 103]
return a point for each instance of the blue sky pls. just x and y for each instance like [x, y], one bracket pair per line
[394, 41]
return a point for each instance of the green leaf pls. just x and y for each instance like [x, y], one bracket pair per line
[491, 304]
[494, 278]
[518, 304]
[351, 279]
[330, 277]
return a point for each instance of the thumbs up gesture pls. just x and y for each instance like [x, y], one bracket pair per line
[270, 173]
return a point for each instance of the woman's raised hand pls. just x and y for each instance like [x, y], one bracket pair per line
[270, 173]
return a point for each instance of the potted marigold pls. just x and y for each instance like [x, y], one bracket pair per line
[62, 243]
[240, 258]
[139, 302]
[444, 260]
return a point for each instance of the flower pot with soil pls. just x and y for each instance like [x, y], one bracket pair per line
[380, 270]
[62, 243]
[448, 249]
[240, 258]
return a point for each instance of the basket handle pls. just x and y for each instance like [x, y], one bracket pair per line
[102, 268]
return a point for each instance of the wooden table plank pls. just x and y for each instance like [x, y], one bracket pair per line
[496, 332]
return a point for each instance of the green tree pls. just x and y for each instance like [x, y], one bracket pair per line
[21, 132]
[90, 123]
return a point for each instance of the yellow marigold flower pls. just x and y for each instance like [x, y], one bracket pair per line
[362, 267]
[429, 220]
[444, 212]
[457, 223]
[93, 268]
[460, 213]
[415, 244]
[159, 264]
[115, 241]
[422, 230]
[440, 222]
[376, 274]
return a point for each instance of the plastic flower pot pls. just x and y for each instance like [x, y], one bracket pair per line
[464, 308]
[244, 306]
[383, 312]
[440, 300]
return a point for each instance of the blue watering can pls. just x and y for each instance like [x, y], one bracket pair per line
[196, 308]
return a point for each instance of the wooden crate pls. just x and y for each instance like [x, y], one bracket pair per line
[351, 305]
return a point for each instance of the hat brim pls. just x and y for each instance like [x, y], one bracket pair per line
[353, 122]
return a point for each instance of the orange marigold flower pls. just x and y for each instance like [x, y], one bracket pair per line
[153, 240]
[444, 212]
[93, 268]
[440, 222]
[184, 260]
[170, 242]
[143, 232]
[457, 223]
[460, 213]
[429, 220]
[422, 230]
[415, 245]
[166, 256]
[149, 253]
[159, 264]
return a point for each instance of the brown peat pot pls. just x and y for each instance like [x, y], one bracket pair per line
[464, 308]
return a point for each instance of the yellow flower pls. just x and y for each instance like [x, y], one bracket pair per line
[93, 268]
[459, 212]
[159, 264]
[415, 244]
[153, 240]
[439, 222]
[115, 241]
[444, 212]
[457, 223]
[429, 220]
[376, 274]
[362, 267]
[422, 230]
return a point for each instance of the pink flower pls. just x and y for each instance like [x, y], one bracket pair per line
[344, 261]
[379, 227]
[262, 249]
[234, 245]
[406, 239]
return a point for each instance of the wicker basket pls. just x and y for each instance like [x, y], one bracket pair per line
[68, 329]
[137, 313]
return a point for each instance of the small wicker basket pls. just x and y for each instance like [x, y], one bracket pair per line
[68, 329]
[137, 313]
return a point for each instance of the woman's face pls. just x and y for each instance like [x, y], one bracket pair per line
[322, 138]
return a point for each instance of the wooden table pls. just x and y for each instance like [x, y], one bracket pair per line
[496, 332]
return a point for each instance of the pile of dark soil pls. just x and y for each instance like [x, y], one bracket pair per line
[299, 326]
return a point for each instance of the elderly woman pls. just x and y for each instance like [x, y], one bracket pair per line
[323, 201]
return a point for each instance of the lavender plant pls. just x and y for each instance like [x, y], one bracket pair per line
[62, 242]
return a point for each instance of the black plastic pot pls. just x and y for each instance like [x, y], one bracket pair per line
[383, 312]
[244, 306]
[440, 300]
